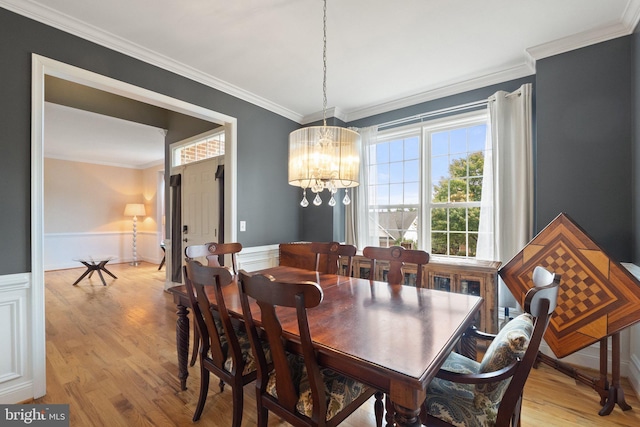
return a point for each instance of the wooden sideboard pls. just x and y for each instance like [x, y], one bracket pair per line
[467, 276]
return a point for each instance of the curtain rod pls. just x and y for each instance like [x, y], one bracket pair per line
[435, 113]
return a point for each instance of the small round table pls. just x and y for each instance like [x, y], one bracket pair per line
[95, 263]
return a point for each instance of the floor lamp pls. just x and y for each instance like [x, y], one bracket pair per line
[134, 209]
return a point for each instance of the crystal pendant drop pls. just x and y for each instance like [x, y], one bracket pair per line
[304, 203]
[347, 199]
[332, 201]
[317, 200]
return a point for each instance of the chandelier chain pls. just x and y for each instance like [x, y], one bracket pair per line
[324, 66]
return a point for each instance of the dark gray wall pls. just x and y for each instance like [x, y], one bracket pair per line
[584, 167]
[584, 142]
[263, 192]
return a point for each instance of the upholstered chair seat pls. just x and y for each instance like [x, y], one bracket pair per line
[466, 393]
[340, 391]
[476, 405]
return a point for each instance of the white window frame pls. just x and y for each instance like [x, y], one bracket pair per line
[175, 148]
[424, 130]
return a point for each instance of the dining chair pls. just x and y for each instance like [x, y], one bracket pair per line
[332, 252]
[225, 350]
[298, 389]
[212, 253]
[489, 393]
[397, 256]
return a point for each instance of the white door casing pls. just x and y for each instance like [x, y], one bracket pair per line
[42, 66]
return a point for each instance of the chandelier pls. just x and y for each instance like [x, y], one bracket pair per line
[324, 157]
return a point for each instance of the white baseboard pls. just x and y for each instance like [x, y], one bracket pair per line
[16, 394]
[634, 374]
[61, 248]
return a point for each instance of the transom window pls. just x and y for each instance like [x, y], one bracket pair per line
[203, 147]
[425, 184]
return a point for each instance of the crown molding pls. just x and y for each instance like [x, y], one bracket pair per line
[627, 24]
[318, 116]
[578, 41]
[93, 34]
[93, 161]
[464, 85]
[631, 15]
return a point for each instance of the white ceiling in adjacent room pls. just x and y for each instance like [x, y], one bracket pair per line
[82, 136]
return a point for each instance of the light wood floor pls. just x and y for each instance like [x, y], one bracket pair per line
[111, 356]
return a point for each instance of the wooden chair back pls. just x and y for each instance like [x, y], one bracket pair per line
[332, 252]
[281, 300]
[397, 256]
[540, 302]
[213, 253]
[197, 278]
[270, 294]
[218, 339]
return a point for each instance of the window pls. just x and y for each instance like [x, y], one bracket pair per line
[203, 147]
[425, 184]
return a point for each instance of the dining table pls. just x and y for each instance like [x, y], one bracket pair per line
[391, 337]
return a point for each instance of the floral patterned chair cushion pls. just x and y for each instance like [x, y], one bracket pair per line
[340, 391]
[245, 346]
[250, 364]
[471, 405]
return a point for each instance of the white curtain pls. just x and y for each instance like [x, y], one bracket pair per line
[506, 213]
[361, 226]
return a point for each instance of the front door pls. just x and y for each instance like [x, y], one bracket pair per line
[200, 203]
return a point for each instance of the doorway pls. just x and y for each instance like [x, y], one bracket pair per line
[42, 66]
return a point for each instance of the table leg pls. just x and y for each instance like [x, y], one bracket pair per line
[92, 267]
[182, 343]
[83, 275]
[615, 392]
[103, 267]
[407, 403]
[102, 278]
[407, 417]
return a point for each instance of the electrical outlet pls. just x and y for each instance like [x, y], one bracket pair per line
[243, 225]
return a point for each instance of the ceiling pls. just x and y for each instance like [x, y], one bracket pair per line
[82, 136]
[381, 55]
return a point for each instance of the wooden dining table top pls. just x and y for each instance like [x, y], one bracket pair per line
[378, 333]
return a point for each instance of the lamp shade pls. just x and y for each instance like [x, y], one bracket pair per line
[134, 209]
[324, 156]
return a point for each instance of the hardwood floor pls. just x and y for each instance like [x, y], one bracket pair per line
[111, 355]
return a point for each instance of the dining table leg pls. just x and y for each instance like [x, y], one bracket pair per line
[406, 417]
[406, 405]
[182, 342]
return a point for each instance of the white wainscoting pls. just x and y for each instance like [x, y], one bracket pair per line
[634, 362]
[633, 365]
[249, 259]
[258, 257]
[61, 248]
[16, 373]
